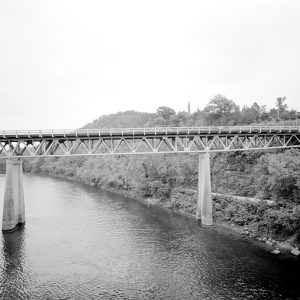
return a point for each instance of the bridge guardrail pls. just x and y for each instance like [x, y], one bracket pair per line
[146, 131]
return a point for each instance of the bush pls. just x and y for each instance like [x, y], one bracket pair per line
[181, 198]
[280, 222]
[278, 176]
[159, 189]
[235, 211]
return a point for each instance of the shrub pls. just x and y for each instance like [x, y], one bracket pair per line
[159, 189]
[280, 222]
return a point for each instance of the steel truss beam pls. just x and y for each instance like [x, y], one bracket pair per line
[116, 145]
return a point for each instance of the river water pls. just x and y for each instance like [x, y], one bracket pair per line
[82, 243]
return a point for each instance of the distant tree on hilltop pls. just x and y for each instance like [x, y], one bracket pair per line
[220, 109]
[164, 115]
[281, 107]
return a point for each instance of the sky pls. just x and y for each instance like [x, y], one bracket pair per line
[64, 63]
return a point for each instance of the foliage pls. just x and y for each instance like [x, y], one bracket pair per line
[281, 107]
[164, 115]
[278, 176]
[270, 221]
[253, 114]
[220, 110]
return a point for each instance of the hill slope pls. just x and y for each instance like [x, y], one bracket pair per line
[125, 119]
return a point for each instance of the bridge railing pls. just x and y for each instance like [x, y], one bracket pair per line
[147, 131]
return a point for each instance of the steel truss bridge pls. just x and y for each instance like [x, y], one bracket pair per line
[43, 143]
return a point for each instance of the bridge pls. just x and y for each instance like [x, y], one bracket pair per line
[41, 143]
[17, 144]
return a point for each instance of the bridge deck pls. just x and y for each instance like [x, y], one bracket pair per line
[140, 132]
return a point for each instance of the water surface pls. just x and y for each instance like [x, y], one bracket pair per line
[82, 243]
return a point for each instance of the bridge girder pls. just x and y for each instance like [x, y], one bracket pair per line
[117, 145]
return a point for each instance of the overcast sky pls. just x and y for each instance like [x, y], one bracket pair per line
[64, 63]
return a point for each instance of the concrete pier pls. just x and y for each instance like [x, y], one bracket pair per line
[13, 206]
[204, 202]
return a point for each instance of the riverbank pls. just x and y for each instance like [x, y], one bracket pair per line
[273, 227]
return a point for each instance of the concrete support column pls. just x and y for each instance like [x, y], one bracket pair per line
[204, 203]
[13, 206]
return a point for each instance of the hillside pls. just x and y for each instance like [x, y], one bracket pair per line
[125, 119]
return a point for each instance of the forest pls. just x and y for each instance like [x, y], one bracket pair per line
[171, 180]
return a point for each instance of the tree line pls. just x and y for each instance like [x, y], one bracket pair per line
[223, 111]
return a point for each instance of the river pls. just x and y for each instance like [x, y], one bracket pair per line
[82, 243]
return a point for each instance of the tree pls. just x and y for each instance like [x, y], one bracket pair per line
[164, 114]
[220, 108]
[265, 117]
[273, 113]
[280, 106]
[197, 118]
[247, 115]
[180, 119]
[256, 109]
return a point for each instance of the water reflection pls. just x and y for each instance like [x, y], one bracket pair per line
[15, 277]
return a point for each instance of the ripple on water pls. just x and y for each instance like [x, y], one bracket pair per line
[80, 243]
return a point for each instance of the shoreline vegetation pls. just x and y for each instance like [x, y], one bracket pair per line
[275, 223]
[170, 180]
[250, 231]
